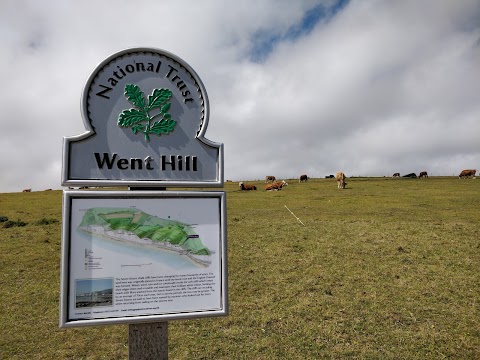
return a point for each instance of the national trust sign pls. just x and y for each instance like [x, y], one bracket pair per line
[146, 112]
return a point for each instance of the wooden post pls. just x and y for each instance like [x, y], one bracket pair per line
[148, 341]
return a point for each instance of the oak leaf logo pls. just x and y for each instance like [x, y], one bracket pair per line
[147, 118]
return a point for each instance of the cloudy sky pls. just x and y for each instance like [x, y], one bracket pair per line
[368, 87]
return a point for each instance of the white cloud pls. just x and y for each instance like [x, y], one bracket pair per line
[380, 87]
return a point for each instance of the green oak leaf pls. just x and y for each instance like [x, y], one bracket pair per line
[158, 98]
[163, 126]
[130, 117]
[135, 95]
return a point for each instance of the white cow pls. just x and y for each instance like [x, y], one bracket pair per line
[340, 176]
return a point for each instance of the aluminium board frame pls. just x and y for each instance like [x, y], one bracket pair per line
[75, 206]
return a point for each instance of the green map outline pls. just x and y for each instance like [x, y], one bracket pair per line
[147, 226]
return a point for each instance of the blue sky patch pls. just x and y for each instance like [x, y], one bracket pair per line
[265, 40]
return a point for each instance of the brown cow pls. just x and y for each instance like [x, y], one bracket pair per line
[396, 175]
[246, 186]
[270, 178]
[277, 185]
[467, 173]
[340, 176]
[423, 174]
[303, 178]
[27, 190]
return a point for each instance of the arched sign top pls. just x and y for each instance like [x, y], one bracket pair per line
[140, 64]
[146, 113]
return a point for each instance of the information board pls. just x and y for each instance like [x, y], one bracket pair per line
[130, 257]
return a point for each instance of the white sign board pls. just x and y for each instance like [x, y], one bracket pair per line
[132, 257]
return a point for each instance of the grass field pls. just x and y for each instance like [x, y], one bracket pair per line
[385, 269]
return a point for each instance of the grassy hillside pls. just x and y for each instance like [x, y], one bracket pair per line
[387, 268]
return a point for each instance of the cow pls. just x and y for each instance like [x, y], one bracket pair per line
[467, 173]
[330, 177]
[423, 174]
[27, 190]
[269, 178]
[396, 175]
[246, 186]
[303, 178]
[340, 176]
[277, 185]
[411, 176]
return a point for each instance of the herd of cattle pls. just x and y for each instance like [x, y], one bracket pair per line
[463, 175]
[273, 185]
[422, 174]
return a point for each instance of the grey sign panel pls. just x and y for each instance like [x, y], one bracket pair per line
[146, 113]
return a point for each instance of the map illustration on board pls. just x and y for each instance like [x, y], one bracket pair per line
[139, 228]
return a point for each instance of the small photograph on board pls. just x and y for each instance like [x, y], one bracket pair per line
[93, 292]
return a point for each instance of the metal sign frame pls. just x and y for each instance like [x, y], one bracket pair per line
[77, 203]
